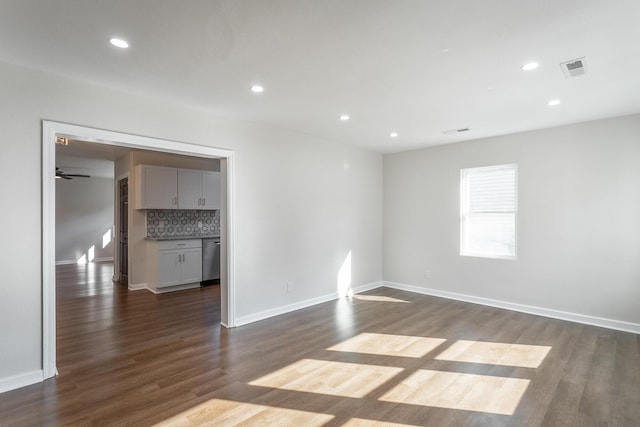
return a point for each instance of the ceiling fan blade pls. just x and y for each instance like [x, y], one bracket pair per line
[77, 175]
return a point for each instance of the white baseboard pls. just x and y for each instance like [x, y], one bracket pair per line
[300, 305]
[174, 288]
[105, 259]
[367, 287]
[285, 309]
[540, 311]
[21, 380]
[137, 286]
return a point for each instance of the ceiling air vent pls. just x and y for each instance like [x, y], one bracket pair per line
[574, 67]
[447, 132]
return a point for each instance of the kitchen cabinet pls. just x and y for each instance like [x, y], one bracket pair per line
[198, 189]
[175, 263]
[156, 187]
[160, 187]
[210, 190]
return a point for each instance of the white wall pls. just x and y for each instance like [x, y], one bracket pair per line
[299, 210]
[84, 213]
[579, 219]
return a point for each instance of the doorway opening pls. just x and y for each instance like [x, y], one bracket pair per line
[122, 266]
[51, 131]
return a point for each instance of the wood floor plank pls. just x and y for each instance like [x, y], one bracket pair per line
[135, 358]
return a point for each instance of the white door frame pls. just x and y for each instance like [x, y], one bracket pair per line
[50, 130]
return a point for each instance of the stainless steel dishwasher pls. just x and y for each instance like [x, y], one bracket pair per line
[210, 260]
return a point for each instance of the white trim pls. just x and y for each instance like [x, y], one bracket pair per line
[137, 286]
[103, 259]
[230, 321]
[50, 130]
[240, 321]
[301, 304]
[367, 287]
[48, 250]
[167, 290]
[21, 380]
[618, 325]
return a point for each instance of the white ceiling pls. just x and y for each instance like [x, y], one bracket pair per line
[417, 67]
[96, 160]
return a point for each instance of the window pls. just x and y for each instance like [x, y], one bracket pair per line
[488, 211]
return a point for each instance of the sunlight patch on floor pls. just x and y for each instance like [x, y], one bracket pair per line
[389, 345]
[495, 353]
[328, 377]
[379, 298]
[219, 412]
[361, 422]
[451, 390]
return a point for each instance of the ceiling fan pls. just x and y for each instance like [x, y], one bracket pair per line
[62, 174]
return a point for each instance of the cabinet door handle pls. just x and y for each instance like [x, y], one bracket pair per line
[204, 202]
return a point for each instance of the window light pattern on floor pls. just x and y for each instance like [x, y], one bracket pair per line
[407, 381]
[453, 390]
[327, 377]
[495, 353]
[361, 422]
[389, 345]
[220, 412]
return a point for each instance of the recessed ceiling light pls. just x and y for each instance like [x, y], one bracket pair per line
[257, 89]
[530, 66]
[344, 117]
[553, 102]
[393, 134]
[122, 44]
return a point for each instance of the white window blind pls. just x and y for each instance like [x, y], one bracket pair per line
[488, 211]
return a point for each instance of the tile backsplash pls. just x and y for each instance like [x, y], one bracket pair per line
[169, 224]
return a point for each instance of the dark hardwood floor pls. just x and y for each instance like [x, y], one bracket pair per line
[385, 356]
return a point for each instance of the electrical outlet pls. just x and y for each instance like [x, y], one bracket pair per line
[427, 274]
[199, 224]
[289, 287]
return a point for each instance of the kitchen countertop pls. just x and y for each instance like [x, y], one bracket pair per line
[181, 238]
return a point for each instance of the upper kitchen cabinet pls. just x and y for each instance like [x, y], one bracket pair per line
[198, 189]
[160, 187]
[156, 187]
[211, 190]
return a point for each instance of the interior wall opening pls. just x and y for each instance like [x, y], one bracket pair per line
[112, 142]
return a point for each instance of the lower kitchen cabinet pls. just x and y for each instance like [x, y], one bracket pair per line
[174, 263]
